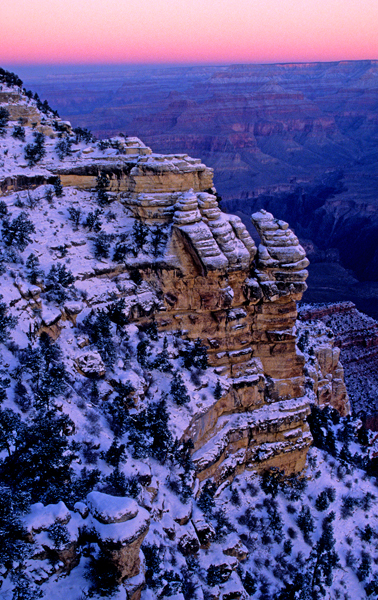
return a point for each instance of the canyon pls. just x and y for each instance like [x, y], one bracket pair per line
[296, 139]
[185, 368]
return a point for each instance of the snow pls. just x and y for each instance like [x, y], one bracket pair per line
[41, 517]
[123, 532]
[111, 509]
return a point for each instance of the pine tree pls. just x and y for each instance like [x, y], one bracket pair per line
[218, 391]
[162, 361]
[58, 188]
[115, 454]
[93, 221]
[117, 313]
[305, 522]
[324, 558]
[4, 118]
[7, 322]
[99, 329]
[74, 216]
[35, 152]
[102, 183]
[102, 245]
[58, 279]
[63, 148]
[3, 209]
[33, 272]
[139, 235]
[195, 356]
[83, 134]
[159, 237]
[364, 568]
[18, 133]
[178, 390]
[17, 232]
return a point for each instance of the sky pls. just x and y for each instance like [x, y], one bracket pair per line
[186, 31]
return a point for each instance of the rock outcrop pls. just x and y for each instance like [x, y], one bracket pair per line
[356, 335]
[156, 279]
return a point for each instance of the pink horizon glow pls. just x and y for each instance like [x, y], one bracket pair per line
[194, 31]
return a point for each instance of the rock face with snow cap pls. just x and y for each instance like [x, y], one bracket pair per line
[121, 526]
[281, 262]
[204, 279]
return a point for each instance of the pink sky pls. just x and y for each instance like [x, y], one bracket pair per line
[190, 31]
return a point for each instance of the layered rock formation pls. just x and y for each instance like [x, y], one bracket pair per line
[147, 248]
[275, 139]
[356, 335]
[209, 282]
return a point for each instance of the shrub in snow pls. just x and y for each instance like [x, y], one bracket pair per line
[10, 78]
[216, 575]
[151, 330]
[206, 500]
[17, 232]
[24, 588]
[7, 322]
[305, 522]
[102, 183]
[322, 501]
[19, 133]
[139, 235]
[35, 152]
[102, 574]
[39, 462]
[222, 526]
[58, 279]
[366, 534]
[116, 412]
[159, 238]
[117, 484]
[74, 216]
[371, 588]
[117, 409]
[122, 249]
[323, 558]
[195, 355]
[349, 504]
[173, 584]
[3, 209]
[271, 481]
[115, 454]
[83, 135]
[33, 272]
[93, 221]
[57, 184]
[4, 118]
[162, 362]
[63, 148]
[58, 533]
[218, 392]
[98, 327]
[153, 564]
[364, 568]
[4, 384]
[117, 314]
[149, 434]
[143, 352]
[102, 245]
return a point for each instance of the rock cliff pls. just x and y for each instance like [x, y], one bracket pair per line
[171, 324]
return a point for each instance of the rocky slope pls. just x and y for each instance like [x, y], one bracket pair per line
[142, 331]
[356, 335]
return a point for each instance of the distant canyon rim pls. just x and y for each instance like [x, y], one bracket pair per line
[299, 140]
